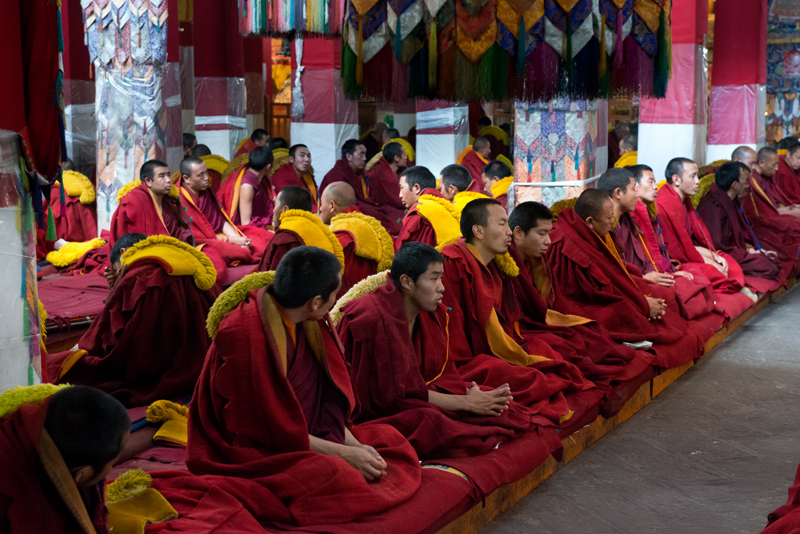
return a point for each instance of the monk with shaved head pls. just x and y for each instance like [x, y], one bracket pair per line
[336, 199]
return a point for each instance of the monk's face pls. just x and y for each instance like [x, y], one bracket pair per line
[358, 159]
[648, 190]
[627, 199]
[262, 142]
[749, 158]
[687, 182]
[604, 222]
[319, 308]
[327, 208]
[427, 292]
[448, 191]
[408, 194]
[161, 183]
[485, 152]
[769, 165]
[744, 183]
[301, 160]
[793, 160]
[198, 180]
[277, 211]
[402, 160]
[496, 235]
[487, 184]
[535, 243]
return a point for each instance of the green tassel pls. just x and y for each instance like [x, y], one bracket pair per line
[349, 59]
[398, 40]
[51, 226]
[522, 47]
[661, 70]
[60, 31]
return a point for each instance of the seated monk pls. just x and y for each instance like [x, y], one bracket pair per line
[430, 217]
[763, 181]
[78, 220]
[593, 281]
[149, 207]
[475, 160]
[692, 299]
[401, 371]
[373, 139]
[497, 178]
[189, 142]
[216, 165]
[258, 138]
[484, 337]
[295, 226]
[297, 172]
[720, 211]
[350, 169]
[55, 454]
[578, 340]
[367, 246]
[454, 179]
[148, 342]
[787, 176]
[247, 195]
[274, 401]
[383, 179]
[686, 237]
[628, 152]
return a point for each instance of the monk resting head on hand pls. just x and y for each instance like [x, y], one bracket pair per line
[115, 256]
[336, 198]
[90, 428]
[417, 270]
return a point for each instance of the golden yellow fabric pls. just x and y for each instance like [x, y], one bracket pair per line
[130, 186]
[367, 285]
[373, 242]
[496, 131]
[627, 159]
[176, 177]
[463, 198]
[374, 161]
[72, 252]
[466, 151]
[132, 504]
[235, 164]
[443, 216]
[70, 361]
[215, 163]
[313, 233]
[174, 420]
[231, 297]
[12, 399]
[406, 146]
[505, 348]
[474, 49]
[78, 185]
[702, 189]
[182, 259]
[556, 208]
[500, 187]
[555, 318]
[505, 160]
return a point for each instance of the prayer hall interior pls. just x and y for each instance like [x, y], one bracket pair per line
[362, 266]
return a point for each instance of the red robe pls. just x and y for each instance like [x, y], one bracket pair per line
[286, 175]
[255, 406]
[282, 242]
[392, 372]
[148, 342]
[774, 230]
[678, 217]
[263, 200]
[730, 233]
[788, 181]
[384, 187]
[388, 215]
[356, 268]
[473, 293]
[37, 492]
[137, 212]
[475, 164]
[78, 222]
[416, 227]
[246, 148]
[786, 519]
[592, 281]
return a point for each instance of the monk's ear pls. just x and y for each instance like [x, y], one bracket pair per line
[590, 222]
[518, 233]
[477, 231]
[406, 282]
[82, 475]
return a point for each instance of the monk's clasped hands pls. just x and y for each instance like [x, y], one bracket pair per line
[493, 402]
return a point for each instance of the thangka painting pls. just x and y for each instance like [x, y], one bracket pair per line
[554, 148]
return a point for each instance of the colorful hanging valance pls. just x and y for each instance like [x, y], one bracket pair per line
[284, 18]
[471, 49]
[120, 30]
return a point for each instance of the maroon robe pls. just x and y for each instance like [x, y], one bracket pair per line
[148, 342]
[37, 492]
[475, 164]
[788, 181]
[246, 148]
[384, 186]
[392, 372]
[137, 213]
[592, 281]
[286, 175]
[550, 386]
[372, 145]
[256, 404]
[77, 222]
[388, 215]
[356, 268]
[416, 227]
[263, 199]
[781, 232]
[730, 233]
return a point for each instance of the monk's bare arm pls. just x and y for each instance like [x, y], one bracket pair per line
[362, 458]
[246, 194]
[476, 401]
[233, 235]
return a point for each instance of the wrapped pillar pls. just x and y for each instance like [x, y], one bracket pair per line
[560, 148]
[186, 51]
[128, 46]
[676, 125]
[322, 117]
[254, 82]
[738, 98]
[403, 115]
[79, 118]
[20, 335]
[171, 95]
[220, 114]
[442, 133]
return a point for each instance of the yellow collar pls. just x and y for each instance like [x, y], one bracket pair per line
[231, 297]
[313, 233]
[504, 262]
[496, 132]
[373, 242]
[406, 146]
[500, 187]
[76, 184]
[463, 198]
[443, 216]
[178, 259]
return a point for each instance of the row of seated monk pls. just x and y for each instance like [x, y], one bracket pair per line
[487, 329]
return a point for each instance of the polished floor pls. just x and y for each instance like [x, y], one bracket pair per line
[714, 453]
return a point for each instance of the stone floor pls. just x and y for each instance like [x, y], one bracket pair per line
[714, 453]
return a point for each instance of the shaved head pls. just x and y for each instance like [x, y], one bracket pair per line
[341, 193]
[480, 143]
[591, 203]
[746, 155]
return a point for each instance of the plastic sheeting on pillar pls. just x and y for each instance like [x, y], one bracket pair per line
[442, 134]
[686, 100]
[739, 115]
[221, 114]
[80, 125]
[20, 355]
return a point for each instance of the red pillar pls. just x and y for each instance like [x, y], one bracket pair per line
[254, 81]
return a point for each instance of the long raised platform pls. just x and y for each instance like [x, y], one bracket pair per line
[478, 516]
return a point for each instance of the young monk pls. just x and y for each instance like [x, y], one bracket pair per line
[148, 341]
[475, 160]
[581, 341]
[484, 337]
[686, 237]
[497, 178]
[453, 180]
[593, 281]
[384, 183]
[402, 373]
[430, 218]
[247, 194]
[55, 457]
[274, 401]
[258, 138]
[149, 209]
[297, 172]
